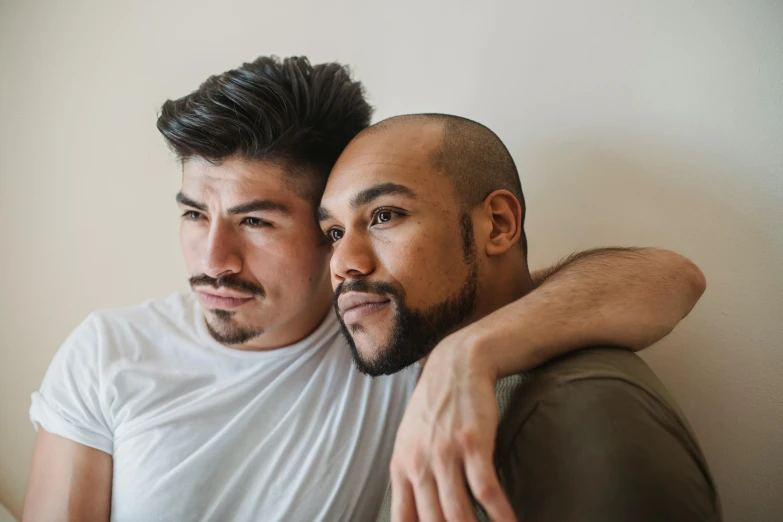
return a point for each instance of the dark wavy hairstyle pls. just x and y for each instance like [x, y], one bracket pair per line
[284, 111]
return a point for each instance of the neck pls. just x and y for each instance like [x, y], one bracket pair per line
[499, 288]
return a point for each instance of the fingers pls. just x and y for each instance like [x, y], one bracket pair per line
[484, 484]
[444, 446]
[414, 491]
[452, 490]
[438, 492]
[403, 508]
[427, 502]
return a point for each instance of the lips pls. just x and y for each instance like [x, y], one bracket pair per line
[355, 306]
[222, 299]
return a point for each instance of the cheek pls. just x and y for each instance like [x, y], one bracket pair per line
[190, 244]
[429, 267]
[290, 266]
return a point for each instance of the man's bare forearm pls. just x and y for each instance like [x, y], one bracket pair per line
[621, 297]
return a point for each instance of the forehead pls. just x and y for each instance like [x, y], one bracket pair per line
[401, 155]
[235, 178]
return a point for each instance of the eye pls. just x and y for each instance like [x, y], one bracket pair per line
[384, 215]
[254, 222]
[191, 215]
[334, 235]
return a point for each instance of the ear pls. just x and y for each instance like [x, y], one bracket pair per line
[504, 213]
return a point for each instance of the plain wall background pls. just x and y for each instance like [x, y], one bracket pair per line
[656, 122]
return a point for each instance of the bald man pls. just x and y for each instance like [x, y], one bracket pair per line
[425, 214]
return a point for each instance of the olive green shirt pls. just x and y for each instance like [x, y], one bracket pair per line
[595, 436]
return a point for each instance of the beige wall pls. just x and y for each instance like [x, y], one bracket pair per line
[654, 122]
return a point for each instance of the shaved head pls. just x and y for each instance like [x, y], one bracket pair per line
[424, 215]
[470, 154]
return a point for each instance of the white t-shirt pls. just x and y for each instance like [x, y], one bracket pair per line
[199, 431]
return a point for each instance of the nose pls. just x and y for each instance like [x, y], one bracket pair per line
[223, 252]
[352, 257]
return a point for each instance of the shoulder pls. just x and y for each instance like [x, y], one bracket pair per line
[599, 422]
[585, 370]
[585, 393]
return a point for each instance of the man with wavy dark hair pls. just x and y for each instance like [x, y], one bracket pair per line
[238, 400]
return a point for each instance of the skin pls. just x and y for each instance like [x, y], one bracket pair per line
[281, 250]
[392, 218]
[417, 244]
[68, 482]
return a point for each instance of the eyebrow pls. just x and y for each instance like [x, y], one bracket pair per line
[369, 195]
[182, 199]
[258, 206]
[321, 214]
[245, 208]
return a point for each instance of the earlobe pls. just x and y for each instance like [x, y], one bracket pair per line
[505, 215]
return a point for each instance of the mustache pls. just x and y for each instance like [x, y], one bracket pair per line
[231, 282]
[395, 292]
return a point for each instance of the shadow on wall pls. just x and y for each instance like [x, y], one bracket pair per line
[723, 363]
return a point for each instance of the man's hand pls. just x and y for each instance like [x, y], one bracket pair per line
[628, 298]
[446, 440]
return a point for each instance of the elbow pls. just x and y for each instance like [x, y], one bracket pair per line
[686, 284]
[689, 281]
[696, 281]
[701, 281]
[692, 284]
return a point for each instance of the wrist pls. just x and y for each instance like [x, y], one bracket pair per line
[494, 348]
[478, 353]
[465, 353]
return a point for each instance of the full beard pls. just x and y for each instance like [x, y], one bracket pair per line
[414, 333]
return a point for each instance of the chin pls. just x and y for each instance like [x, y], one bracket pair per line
[368, 345]
[365, 355]
[365, 351]
[363, 360]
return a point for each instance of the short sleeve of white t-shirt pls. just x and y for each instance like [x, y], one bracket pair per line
[69, 403]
